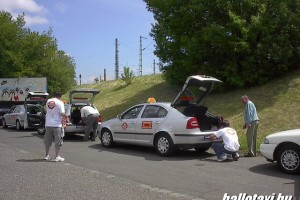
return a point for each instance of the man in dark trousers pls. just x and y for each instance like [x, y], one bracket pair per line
[90, 116]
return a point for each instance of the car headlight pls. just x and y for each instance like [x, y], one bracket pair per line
[266, 141]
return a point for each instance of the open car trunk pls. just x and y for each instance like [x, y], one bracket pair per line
[190, 101]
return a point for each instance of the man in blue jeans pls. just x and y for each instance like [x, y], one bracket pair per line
[230, 143]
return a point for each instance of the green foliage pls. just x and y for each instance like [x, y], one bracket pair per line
[127, 76]
[24, 53]
[244, 43]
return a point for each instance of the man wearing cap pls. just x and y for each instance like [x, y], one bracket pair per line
[54, 126]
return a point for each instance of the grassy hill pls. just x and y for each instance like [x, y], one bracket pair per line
[277, 102]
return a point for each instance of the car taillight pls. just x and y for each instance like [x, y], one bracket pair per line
[192, 123]
[99, 119]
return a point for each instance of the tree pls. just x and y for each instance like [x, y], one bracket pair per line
[127, 76]
[241, 42]
[33, 54]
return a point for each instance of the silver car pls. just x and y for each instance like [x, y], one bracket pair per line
[184, 123]
[28, 115]
[79, 98]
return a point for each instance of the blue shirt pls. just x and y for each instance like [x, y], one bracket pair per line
[250, 113]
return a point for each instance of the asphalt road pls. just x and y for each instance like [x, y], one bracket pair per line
[129, 172]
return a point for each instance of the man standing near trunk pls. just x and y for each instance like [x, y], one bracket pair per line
[90, 116]
[251, 124]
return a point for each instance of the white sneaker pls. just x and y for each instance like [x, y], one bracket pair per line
[222, 159]
[59, 159]
[47, 158]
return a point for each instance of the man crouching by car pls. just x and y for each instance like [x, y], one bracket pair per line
[230, 143]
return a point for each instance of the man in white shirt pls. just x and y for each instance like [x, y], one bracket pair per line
[90, 116]
[54, 126]
[230, 143]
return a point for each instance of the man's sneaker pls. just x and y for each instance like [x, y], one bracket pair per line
[59, 159]
[236, 157]
[222, 159]
[47, 158]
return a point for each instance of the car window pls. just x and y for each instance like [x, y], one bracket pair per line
[132, 113]
[19, 109]
[154, 111]
[12, 109]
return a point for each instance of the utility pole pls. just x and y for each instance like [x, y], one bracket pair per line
[154, 66]
[117, 61]
[79, 79]
[141, 56]
[104, 74]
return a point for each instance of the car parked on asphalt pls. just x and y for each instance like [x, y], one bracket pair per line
[284, 149]
[5, 106]
[184, 123]
[27, 115]
[77, 99]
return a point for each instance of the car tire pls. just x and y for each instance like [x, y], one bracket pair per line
[164, 145]
[106, 138]
[201, 149]
[288, 159]
[18, 125]
[41, 131]
[4, 125]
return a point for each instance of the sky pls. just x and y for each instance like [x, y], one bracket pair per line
[87, 30]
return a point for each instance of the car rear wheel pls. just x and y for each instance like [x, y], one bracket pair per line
[288, 159]
[18, 125]
[4, 125]
[41, 131]
[164, 145]
[106, 138]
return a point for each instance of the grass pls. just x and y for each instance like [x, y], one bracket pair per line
[277, 102]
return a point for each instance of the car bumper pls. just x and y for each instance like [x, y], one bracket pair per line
[267, 150]
[194, 138]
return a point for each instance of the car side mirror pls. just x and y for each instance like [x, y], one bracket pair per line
[119, 116]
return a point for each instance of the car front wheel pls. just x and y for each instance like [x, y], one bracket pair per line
[164, 145]
[106, 138]
[288, 159]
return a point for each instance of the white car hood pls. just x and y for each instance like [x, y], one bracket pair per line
[285, 136]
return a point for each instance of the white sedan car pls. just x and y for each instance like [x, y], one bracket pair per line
[184, 123]
[284, 148]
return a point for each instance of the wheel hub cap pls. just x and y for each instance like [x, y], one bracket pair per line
[163, 145]
[290, 160]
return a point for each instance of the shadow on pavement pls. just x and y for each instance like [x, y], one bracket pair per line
[271, 169]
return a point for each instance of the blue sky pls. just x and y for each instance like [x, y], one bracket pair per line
[87, 29]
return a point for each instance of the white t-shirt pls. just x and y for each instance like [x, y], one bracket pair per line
[230, 138]
[55, 109]
[88, 110]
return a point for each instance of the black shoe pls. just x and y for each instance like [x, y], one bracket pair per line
[235, 157]
[249, 155]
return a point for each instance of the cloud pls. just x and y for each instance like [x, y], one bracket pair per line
[34, 13]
